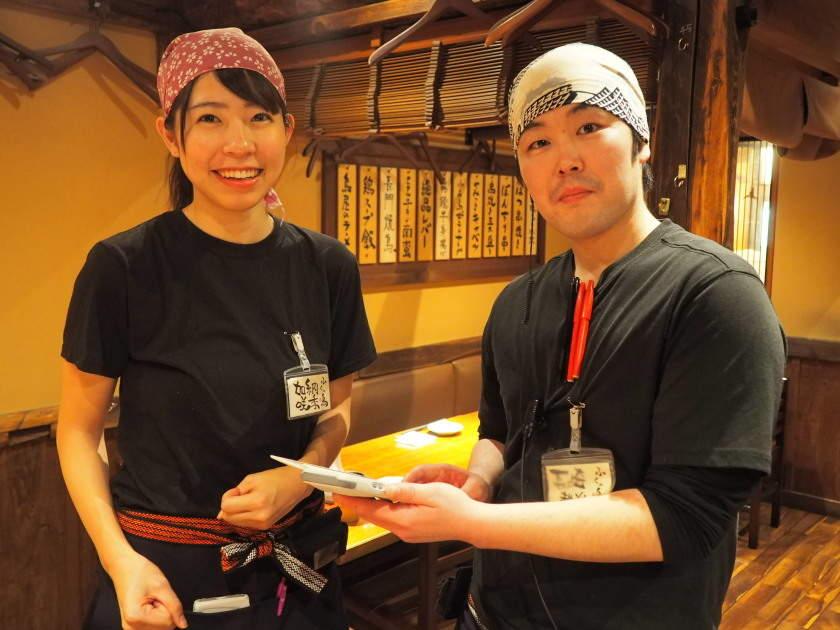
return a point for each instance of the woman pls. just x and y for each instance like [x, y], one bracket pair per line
[215, 317]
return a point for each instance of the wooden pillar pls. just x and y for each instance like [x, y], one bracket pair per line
[718, 81]
[672, 129]
[696, 131]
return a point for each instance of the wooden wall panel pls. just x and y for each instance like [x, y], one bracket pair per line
[812, 442]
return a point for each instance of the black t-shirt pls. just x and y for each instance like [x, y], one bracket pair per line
[683, 367]
[194, 327]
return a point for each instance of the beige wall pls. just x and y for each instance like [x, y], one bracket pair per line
[806, 266]
[81, 161]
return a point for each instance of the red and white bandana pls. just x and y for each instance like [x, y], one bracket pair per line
[193, 54]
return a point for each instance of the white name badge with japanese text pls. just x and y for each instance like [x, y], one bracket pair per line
[307, 391]
[588, 472]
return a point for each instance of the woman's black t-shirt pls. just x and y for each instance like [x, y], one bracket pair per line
[195, 329]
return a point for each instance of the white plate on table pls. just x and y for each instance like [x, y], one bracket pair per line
[445, 427]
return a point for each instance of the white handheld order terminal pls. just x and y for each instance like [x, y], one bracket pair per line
[336, 481]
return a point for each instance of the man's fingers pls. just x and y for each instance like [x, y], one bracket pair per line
[167, 597]
[423, 474]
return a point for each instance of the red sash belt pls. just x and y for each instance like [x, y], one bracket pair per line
[239, 546]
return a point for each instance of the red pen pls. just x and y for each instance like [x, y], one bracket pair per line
[575, 331]
[585, 318]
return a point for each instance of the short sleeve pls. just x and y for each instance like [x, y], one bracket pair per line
[491, 410]
[96, 329]
[722, 378]
[351, 344]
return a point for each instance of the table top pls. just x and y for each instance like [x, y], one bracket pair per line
[382, 456]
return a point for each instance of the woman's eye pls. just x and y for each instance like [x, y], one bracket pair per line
[589, 128]
[207, 118]
[262, 117]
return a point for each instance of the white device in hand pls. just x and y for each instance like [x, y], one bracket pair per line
[336, 481]
[221, 604]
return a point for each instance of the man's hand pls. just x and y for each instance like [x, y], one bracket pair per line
[263, 498]
[421, 512]
[474, 485]
[147, 601]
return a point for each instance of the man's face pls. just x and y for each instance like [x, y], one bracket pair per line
[576, 163]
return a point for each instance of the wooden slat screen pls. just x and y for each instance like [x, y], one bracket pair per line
[340, 103]
[298, 85]
[474, 84]
[402, 92]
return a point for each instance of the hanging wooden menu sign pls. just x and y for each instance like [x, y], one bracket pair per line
[491, 214]
[505, 215]
[387, 214]
[368, 181]
[476, 212]
[347, 205]
[530, 228]
[443, 212]
[408, 215]
[426, 215]
[460, 194]
[520, 210]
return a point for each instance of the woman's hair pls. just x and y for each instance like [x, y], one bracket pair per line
[247, 85]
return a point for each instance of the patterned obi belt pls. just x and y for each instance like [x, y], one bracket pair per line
[239, 546]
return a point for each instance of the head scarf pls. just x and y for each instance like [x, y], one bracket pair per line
[576, 73]
[193, 54]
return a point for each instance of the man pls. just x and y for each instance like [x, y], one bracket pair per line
[677, 381]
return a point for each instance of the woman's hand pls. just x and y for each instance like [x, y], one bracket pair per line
[261, 499]
[147, 601]
[475, 486]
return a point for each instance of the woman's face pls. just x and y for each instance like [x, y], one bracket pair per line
[233, 150]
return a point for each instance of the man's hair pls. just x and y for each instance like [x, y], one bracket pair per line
[647, 171]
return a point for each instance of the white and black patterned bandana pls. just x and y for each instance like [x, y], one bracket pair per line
[576, 73]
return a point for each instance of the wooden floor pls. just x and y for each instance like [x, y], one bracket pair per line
[792, 580]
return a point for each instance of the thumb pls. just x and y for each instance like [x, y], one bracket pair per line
[166, 596]
[413, 493]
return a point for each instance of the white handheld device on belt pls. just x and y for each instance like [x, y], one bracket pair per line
[336, 481]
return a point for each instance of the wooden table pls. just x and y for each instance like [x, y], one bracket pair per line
[382, 457]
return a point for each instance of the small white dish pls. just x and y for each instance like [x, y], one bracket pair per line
[445, 427]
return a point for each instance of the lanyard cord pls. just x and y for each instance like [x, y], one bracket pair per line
[527, 430]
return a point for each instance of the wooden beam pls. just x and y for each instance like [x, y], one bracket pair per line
[124, 12]
[452, 31]
[298, 31]
[718, 81]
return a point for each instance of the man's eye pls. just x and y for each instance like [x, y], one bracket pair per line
[538, 144]
[589, 128]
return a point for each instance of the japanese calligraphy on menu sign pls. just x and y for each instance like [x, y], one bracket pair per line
[392, 215]
[347, 205]
[387, 214]
[368, 181]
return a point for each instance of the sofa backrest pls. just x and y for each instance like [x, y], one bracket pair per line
[402, 400]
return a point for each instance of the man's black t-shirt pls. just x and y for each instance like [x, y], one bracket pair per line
[194, 327]
[683, 367]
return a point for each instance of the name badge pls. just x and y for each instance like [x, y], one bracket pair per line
[577, 472]
[568, 475]
[307, 385]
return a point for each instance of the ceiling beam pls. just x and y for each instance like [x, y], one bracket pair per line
[452, 31]
[123, 12]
